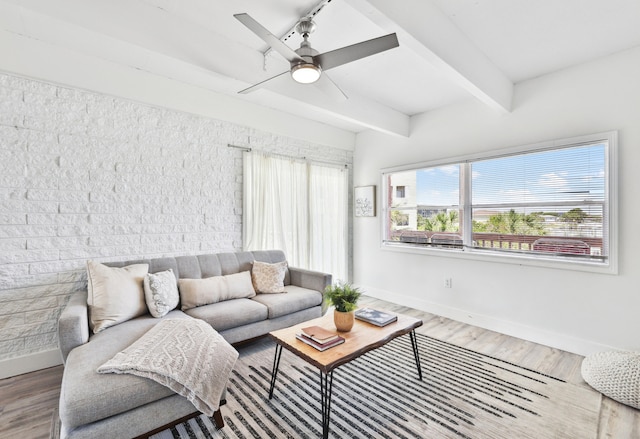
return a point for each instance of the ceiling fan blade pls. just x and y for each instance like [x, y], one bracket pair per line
[338, 57]
[330, 88]
[273, 41]
[255, 87]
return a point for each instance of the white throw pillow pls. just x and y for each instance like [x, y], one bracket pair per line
[114, 295]
[161, 292]
[268, 278]
[198, 292]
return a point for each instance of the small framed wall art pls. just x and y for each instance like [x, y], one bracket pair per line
[364, 201]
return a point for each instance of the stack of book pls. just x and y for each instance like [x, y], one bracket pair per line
[375, 317]
[319, 338]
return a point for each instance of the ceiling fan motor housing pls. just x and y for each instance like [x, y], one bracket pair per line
[308, 71]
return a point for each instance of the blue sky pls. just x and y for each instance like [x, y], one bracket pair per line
[536, 177]
[438, 186]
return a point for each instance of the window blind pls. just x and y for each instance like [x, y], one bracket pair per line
[554, 200]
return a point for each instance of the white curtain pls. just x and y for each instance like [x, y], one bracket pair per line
[328, 213]
[298, 207]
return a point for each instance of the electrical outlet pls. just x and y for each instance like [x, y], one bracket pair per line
[447, 282]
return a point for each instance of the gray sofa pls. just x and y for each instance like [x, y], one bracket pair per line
[96, 405]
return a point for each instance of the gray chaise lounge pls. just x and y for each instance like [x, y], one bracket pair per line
[96, 405]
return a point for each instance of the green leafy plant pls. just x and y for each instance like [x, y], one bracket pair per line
[343, 296]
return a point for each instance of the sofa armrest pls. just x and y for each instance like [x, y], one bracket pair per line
[313, 280]
[73, 324]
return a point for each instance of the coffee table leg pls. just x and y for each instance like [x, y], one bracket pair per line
[416, 354]
[326, 384]
[274, 371]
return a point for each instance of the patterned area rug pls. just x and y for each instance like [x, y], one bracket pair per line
[464, 394]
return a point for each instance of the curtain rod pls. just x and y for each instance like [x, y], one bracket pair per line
[327, 162]
[244, 148]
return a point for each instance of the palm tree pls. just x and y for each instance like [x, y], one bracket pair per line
[513, 223]
[440, 222]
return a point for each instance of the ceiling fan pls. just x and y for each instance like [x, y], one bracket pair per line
[307, 65]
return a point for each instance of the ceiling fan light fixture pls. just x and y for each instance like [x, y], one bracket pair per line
[306, 73]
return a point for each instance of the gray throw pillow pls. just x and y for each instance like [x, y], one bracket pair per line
[161, 292]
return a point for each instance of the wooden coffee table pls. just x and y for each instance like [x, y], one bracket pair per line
[363, 338]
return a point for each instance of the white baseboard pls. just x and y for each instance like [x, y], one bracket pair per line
[29, 363]
[563, 342]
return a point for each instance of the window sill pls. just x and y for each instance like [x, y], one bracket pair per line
[480, 255]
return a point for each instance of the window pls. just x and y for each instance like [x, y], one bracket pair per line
[550, 202]
[399, 191]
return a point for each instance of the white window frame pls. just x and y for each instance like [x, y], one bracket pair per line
[610, 215]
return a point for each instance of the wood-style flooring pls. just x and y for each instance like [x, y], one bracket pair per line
[27, 401]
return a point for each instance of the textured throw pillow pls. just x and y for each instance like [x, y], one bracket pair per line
[198, 292]
[161, 292]
[268, 278]
[114, 295]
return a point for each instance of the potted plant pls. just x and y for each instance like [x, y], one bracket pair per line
[344, 297]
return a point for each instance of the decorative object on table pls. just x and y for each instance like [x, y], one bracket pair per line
[344, 297]
[615, 374]
[320, 338]
[319, 334]
[375, 317]
[364, 200]
[335, 341]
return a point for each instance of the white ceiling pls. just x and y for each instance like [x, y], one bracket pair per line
[450, 50]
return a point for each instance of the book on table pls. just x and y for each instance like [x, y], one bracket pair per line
[320, 338]
[320, 346]
[319, 334]
[375, 317]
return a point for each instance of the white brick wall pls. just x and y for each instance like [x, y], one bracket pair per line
[88, 176]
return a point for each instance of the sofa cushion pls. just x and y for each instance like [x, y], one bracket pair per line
[161, 292]
[198, 292]
[115, 295]
[230, 313]
[219, 264]
[268, 278]
[295, 299]
[87, 396]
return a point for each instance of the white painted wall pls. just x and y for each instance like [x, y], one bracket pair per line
[576, 311]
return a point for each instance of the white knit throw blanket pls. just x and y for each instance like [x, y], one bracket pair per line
[186, 355]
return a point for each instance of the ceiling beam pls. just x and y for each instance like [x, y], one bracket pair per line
[426, 30]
